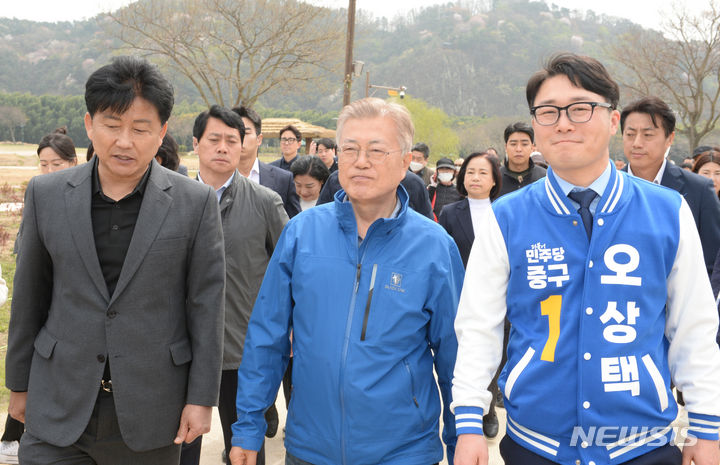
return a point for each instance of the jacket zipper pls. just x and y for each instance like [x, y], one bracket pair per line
[412, 382]
[369, 302]
[346, 342]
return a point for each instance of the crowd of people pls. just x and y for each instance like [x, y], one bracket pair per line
[383, 295]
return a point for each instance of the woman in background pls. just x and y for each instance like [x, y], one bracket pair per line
[56, 151]
[310, 174]
[479, 180]
[708, 164]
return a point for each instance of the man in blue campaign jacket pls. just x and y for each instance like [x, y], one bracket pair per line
[602, 277]
[370, 289]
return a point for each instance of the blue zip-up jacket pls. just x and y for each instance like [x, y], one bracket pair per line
[599, 326]
[368, 321]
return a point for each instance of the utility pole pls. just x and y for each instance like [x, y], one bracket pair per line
[347, 87]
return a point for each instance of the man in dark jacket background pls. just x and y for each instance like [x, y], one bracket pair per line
[519, 170]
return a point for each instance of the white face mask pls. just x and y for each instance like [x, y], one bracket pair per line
[445, 177]
[415, 166]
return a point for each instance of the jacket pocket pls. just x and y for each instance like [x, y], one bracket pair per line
[168, 245]
[369, 302]
[517, 371]
[181, 352]
[44, 344]
[412, 382]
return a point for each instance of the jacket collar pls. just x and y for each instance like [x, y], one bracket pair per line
[561, 205]
[346, 214]
[154, 208]
[673, 178]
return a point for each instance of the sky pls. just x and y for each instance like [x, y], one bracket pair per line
[647, 13]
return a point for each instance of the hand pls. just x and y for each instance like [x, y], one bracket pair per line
[194, 421]
[471, 449]
[703, 452]
[16, 409]
[240, 456]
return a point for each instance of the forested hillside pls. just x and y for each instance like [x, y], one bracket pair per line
[471, 62]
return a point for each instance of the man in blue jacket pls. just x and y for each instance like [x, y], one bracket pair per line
[601, 276]
[369, 288]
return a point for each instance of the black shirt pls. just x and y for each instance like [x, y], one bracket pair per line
[281, 163]
[113, 225]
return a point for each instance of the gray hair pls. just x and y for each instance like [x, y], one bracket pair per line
[378, 108]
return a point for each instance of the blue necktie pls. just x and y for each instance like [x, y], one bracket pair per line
[585, 198]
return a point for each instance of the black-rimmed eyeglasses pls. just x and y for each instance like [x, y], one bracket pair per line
[578, 112]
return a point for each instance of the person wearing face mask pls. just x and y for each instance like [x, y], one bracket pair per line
[418, 163]
[444, 191]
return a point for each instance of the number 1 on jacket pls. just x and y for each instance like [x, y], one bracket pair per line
[551, 307]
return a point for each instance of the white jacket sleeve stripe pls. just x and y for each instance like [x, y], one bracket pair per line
[481, 316]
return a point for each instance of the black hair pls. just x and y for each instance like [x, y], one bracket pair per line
[327, 143]
[250, 114]
[168, 153]
[652, 106]
[115, 86]
[422, 148]
[519, 127]
[311, 165]
[495, 168]
[583, 71]
[708, 156]
[90, 152]
[292, 129]
[227, 116]
[60, 143]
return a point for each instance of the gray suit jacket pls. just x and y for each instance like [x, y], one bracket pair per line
[252, 219]
[161, 330]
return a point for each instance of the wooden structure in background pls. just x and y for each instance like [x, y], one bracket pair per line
[271, 128]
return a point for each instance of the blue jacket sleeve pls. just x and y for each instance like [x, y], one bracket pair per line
[443, 302]
[267, 346]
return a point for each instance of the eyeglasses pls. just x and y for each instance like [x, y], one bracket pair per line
[350, 154]
[288, 140]
[578, 112]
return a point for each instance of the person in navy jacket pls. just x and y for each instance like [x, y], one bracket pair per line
[648, 129]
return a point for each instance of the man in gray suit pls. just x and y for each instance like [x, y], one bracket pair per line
[252, 219]
[115, 339]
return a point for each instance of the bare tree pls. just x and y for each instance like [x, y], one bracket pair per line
[681, 66]
[12, 118]
[234, 51]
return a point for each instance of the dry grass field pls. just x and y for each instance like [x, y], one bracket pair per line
[19, 163]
